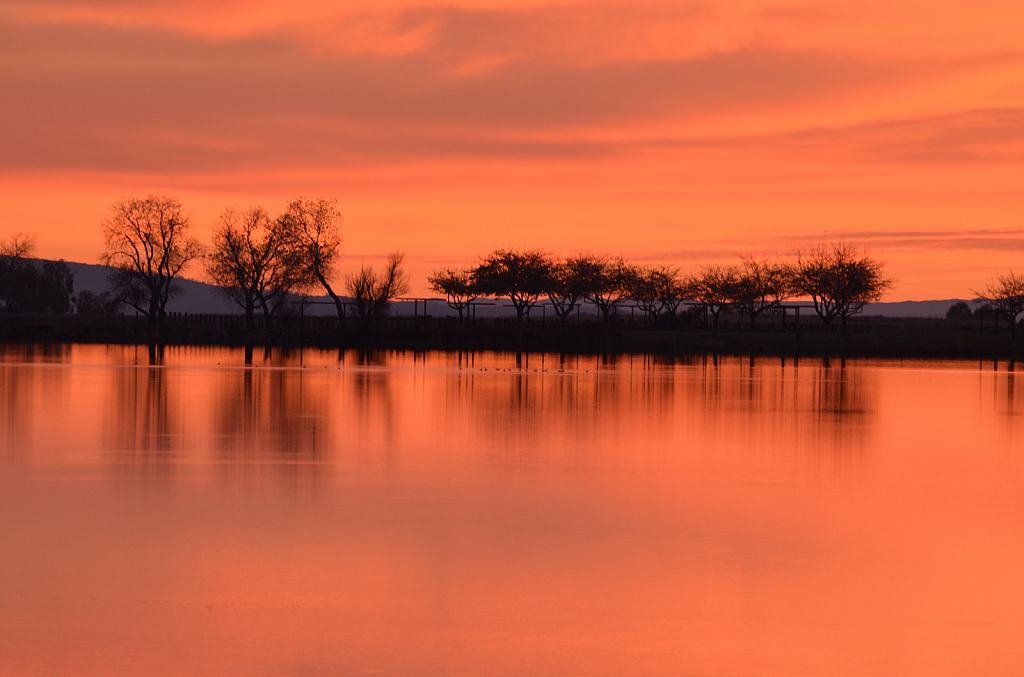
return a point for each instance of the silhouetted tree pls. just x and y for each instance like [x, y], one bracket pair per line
[316, 227]
[715, 287]
[372, 292]
[16, 248]
[568, 284]
[458, 285]
[14, 265]
[959, 311]
[838, 279]
[760, 284]
[658, 290]
[255, 260]
[30, 286]
[55, 288]
[91, 303]
[607, 281]
[523, 277]
[1005, 297]
[149, 242]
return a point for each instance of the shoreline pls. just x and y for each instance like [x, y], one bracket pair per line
[872, 337]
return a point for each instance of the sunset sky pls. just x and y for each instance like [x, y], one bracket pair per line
[680, 132]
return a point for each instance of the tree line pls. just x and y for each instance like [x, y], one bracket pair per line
[839, 280]
[30, 286]
[261, 262]
[257, 260]
[1004, 297]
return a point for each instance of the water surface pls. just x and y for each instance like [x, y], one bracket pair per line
[460, 514]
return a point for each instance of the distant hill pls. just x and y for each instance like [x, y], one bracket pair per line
[196, 297]
[200, 297]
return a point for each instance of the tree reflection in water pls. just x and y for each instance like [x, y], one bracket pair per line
[1007, 385]
[140, 430]
[641, 515]
[17, 396]
[789, 400]
[171, 411]
[375, 420]
[274, 415]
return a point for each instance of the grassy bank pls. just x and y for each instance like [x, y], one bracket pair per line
[867, 337]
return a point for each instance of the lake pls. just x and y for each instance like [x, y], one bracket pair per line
[320, 513]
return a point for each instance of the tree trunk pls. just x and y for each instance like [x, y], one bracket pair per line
[250, 320]
[337, 301]
[266, 316]
[154, 310]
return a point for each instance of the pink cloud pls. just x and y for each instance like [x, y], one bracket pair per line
[116, 99]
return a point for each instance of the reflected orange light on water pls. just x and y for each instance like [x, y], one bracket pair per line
[470, 514]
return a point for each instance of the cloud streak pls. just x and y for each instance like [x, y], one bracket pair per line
[114, 99]
[975, 240]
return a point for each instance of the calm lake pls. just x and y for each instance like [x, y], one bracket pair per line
[447, 514]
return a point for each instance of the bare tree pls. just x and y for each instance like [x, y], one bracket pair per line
[839, 279]
[30, 286]
[373, 293]
[14, 254]
[760, 285]
[521, 276]
[18, 246]
[254, 260]
[458, 286]
[149, 242]
[316, 228]
[715, 287]
[1006, 297]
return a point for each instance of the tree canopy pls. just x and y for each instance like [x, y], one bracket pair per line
[30, 286]
[715, 287]
[255, 260]
[372, 292]
[149, 241]
[316, 227]
[760, 284]
[839, 279]
[522, 276]
[1006, 297]
[658, 290]
[458, 285]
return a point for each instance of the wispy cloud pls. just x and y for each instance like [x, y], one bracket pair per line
[973, 239]
[128, 99]
[963, 136]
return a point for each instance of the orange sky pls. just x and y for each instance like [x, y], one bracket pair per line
[664, 131]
